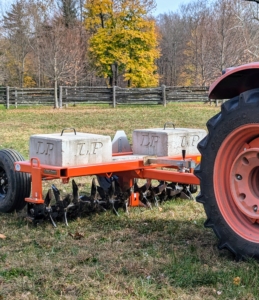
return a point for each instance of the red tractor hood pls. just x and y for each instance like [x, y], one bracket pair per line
[235, 81]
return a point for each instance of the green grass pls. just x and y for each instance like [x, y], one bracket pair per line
[148, 254]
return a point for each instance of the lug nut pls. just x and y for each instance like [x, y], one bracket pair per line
[238, 177]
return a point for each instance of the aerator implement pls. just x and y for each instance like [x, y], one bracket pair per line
[224, 162]
[116, 166]
[166, 154]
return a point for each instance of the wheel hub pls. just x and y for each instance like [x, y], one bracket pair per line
[3, 184]
[244, 183]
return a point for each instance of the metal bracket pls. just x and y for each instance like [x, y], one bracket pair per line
[190, 164]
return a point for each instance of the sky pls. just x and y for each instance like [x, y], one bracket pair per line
[164, 6]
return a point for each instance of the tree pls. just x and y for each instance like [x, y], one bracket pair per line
[39, 11]
[247, 15]
[228, 44]
[16, 24]
[61, 54]
[197, 50]
[21, 24]
[69, 12]
[173, 31]
[124, 40]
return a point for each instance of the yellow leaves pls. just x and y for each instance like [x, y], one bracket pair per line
[29, 81]
[97, 12]
[123, 35]
[236, 281]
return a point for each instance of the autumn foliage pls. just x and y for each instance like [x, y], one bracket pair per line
[123, 40]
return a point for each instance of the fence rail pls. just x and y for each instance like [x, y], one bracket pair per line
[10, 96]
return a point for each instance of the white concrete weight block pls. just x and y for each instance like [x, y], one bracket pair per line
[70, 149]
[166, 142]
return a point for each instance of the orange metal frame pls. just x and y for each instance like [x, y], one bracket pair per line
[126, 170]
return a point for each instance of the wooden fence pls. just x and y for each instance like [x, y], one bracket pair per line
[10, 96]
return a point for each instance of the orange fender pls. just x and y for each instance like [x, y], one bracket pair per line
[235, 81]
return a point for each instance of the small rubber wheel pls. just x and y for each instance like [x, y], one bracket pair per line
[229, 175]
[14, 186]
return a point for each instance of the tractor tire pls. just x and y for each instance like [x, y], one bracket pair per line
[14, 186]
[229, 175]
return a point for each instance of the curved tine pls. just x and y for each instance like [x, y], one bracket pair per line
[162, 187]
[101, 192]
[65, 217]
[155, 190]
[127, 207]
[149, 205]
[99, 203]
[48, 198]
[52, 221]
[75, 191]
[67, 200]
[114, 209]
[189, 192]
[83, 199]
[147, 202]
[56, 192]
[94, 189]
[156, 201]
[117, 187]
[148, 184]
[66, 210]
[112, 190]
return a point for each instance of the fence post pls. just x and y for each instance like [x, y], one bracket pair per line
[114, 96]
[164, 95]
[60, 97]
[15, 97]
[7, 97]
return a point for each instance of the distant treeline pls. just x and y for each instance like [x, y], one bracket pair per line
[70, 42]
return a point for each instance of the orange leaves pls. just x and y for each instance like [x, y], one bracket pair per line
[77, 235]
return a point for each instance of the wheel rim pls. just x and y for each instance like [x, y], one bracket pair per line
[3, 184]
[236, 181]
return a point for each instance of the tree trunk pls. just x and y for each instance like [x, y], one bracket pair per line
[56, 83]
[56, 93]
[22, 72]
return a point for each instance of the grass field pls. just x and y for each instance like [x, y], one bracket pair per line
[149, 254]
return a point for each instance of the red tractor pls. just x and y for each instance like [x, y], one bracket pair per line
[229, 168]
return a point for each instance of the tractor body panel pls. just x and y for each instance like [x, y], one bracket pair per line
[235, 81]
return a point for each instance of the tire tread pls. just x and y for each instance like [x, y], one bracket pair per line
[238, 106]
[15, 199]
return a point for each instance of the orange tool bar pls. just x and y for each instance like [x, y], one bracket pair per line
[48, 171]
[83, 170]
[127, 169]
[122, 153]
[188, 178]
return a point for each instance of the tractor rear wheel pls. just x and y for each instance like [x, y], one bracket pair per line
[229, 175]
[14, 186]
